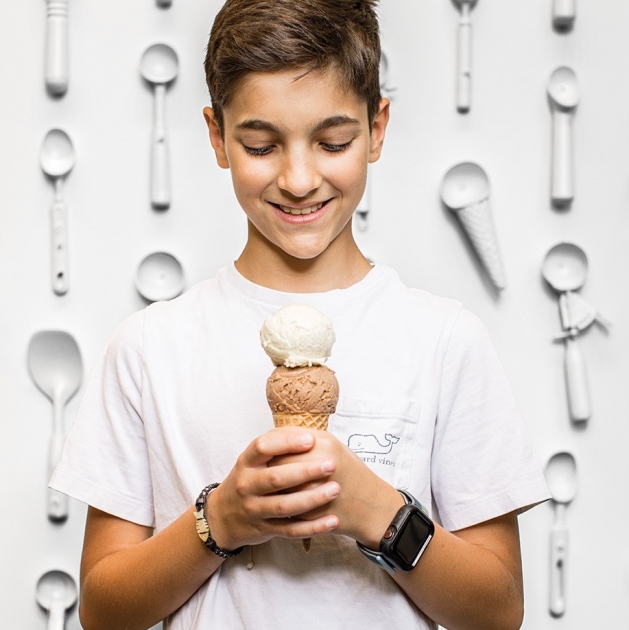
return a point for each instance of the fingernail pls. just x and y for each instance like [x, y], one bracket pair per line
[327, 466]
[306, 439]
[332, 491]
[331, 523]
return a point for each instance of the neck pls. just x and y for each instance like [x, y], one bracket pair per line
[340, 266]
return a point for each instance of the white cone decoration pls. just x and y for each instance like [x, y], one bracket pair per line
[478, 224]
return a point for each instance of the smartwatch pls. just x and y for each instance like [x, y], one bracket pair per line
[406, 537]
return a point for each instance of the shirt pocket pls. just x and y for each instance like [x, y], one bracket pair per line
[381, 432]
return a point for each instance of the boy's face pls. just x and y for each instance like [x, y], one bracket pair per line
[298, 152]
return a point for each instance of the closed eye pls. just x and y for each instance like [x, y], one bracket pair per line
[335, 148]
[258, 151]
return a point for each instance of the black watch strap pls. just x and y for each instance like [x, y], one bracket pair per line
[203, 529]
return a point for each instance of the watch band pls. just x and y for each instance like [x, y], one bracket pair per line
[378, 557]
[203, 528]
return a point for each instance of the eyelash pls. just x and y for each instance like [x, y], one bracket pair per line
[330, 148]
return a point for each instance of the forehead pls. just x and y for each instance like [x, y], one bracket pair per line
[293, 98]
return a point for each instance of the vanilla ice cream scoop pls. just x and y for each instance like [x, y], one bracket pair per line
[297, 335]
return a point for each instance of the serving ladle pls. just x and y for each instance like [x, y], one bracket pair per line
[561, 477]
[159, 67]
[159, 277]
[563, 93]
[56, 593]
[464, 59]
[57, 158]
[55, 365]
[465, 190]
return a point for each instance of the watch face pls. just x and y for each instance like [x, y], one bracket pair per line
[414, 532]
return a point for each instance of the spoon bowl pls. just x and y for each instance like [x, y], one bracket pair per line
[159, 277]
[563, 88]
[56, 593]
[57, 156]
[464, 185]
[561, 477]
[159, 64]
[565, 267]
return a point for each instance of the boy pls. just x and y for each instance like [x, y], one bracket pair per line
[177, 403]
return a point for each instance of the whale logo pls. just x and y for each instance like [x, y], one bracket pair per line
[360, 443]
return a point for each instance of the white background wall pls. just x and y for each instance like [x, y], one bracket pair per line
[107, 112]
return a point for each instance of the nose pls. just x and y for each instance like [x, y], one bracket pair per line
[299, 174]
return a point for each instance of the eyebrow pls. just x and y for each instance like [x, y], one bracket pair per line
[256, 124]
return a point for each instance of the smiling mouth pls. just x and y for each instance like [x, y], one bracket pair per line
[306, 210]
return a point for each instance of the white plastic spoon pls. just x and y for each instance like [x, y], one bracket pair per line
[55, 365]
[159, 277]
[56, 72]
[561, 477]
[57, 159]
[564, 14]
[464, 59]
[159, 67]
[565, 269]
[56, 592]
[465, 190]
[563, 92]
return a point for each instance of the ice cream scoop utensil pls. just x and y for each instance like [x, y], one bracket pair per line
[159, 67]
[561, 477]
[159, 277]
[564, 13]
[565, 269]
[57, 159]
[465, 190]
[56, 592]
[563, 93]
[464, 59]
[55, 365]
[56, 72]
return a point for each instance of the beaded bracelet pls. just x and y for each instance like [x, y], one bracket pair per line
[203, 529]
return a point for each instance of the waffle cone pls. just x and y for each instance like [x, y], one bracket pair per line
[306, 420]
[478, 225]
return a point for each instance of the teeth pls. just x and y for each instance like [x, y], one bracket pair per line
[307, 210]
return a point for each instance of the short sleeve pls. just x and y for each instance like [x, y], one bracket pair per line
[483, 465]
[105, 460]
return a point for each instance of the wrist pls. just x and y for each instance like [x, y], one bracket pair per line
[380, 518]
[208, 526]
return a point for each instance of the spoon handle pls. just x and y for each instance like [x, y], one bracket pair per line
[58, 244]
[558, 555]
[160, 185]
[464, 69]
[57, 502]
[56, 616]
[57, 46]
[562, 191]
[564, 12]
[576, 382]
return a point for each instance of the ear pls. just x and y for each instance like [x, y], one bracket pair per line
[378, 130]
[216, 137]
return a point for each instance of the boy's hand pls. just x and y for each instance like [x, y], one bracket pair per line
[366, 503]
[250, 506]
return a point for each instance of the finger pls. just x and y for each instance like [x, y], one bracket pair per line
[281, 506]
[284, 477]
[277, 442]
[288, 528]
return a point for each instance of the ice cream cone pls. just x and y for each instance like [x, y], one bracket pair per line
[307, 420]
[479, 227]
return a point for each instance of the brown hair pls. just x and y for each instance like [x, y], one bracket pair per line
[309, 35]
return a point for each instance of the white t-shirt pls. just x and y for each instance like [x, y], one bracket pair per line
[180, 392]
